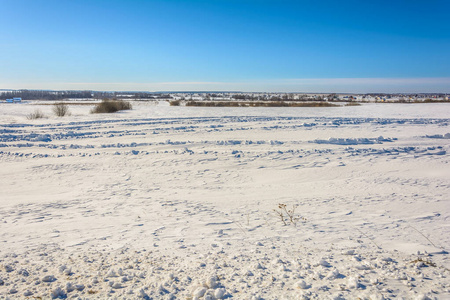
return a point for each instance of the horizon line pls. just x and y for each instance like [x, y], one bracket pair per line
[214, 91]
[362, 85]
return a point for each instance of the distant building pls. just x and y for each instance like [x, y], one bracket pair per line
[14, 100]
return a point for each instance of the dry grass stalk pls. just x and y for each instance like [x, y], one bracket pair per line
[37, 114]
[286, 215]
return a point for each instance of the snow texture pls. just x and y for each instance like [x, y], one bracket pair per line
[165, 202]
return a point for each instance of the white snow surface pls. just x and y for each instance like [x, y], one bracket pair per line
[165, 202]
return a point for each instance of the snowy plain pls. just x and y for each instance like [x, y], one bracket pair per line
[164, 202]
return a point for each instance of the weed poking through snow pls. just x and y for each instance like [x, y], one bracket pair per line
[287, 216]
[37, 114]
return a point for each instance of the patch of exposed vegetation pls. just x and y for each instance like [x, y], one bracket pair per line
[258, 104]
[175, 103]
[111, 106]
[286, 215]
[37, 114]
[61, 109]
[92, 292]
[427, 263]
[432, 101]
[70, 103]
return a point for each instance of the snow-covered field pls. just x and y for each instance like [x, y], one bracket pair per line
[168, 202]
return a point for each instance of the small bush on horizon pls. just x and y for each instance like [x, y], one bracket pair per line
[111, 106]
[175, 103]
[37, 114]
[61, 109]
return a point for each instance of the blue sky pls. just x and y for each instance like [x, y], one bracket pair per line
[286, 46]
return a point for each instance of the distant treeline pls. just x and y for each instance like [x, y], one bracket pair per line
[61, 95]
[45, 95]
[149, 96]
[88, 94]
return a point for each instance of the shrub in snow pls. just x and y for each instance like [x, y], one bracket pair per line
[37, 114]
[60, 109]
[109, 106]
[175, 103]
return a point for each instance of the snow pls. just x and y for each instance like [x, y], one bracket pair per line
[165, 202]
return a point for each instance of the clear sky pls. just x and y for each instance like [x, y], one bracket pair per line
[286, 46]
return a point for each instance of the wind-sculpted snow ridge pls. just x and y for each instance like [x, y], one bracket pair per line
[79, 130]
[287, 154]
[224, 207]
[439, 136]
[357, 141]
[416, 151]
